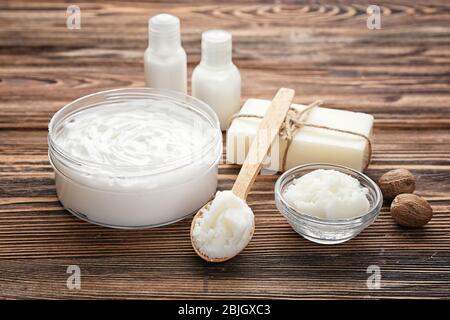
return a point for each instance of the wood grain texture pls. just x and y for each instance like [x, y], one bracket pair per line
[323, 50]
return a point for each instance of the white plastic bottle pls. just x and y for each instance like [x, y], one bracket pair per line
[165, 59]
[216, 80]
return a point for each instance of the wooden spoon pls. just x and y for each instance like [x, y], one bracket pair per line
[270, 125]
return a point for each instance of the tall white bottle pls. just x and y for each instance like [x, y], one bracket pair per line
[216, 80]
[165, 59]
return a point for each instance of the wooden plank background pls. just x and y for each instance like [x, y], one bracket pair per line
[400, 74]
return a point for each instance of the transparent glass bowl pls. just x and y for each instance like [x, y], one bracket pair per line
[137, 196]
[321, 230]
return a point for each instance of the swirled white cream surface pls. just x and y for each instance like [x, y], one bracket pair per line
[142, 162]
[136, 137]
[133, 134]
[225, 228]
[328, 194]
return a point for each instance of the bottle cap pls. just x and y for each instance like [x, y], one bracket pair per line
[164, 32]
[216, 47]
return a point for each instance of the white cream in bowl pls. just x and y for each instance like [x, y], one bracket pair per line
[134, 158]
[328, 194]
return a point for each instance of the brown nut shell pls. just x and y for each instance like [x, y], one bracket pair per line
[411, 211]
[396, 182]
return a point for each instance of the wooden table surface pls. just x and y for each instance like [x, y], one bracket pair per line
[322, 49]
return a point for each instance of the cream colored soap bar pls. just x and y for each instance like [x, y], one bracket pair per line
[310, 145]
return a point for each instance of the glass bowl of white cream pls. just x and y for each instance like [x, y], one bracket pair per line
[326, 203]
[135, 158]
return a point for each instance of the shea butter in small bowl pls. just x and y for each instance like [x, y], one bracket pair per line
[327, 204]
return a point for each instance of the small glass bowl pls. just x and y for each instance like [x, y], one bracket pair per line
[321, 230]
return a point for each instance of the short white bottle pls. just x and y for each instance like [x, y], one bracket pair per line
[216, 80]
[165, 59]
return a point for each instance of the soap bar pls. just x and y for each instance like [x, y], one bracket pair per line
[309, 144]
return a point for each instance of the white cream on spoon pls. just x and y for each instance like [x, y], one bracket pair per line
[224, 227]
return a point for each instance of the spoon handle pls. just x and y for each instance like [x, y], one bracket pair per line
[268, 130]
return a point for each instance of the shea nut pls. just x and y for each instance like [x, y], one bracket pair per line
[411, 211]
[396, 182]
